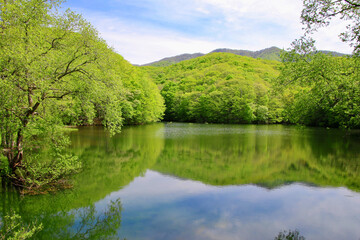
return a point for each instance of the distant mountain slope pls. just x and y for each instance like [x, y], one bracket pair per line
[172, 60]
[335, 54]
[272, 53]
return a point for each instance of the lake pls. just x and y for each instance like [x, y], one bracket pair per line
[204, 181]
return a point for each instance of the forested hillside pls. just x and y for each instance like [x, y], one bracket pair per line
[220, 88]
[314, 89]
[172, 60]
[272, 53]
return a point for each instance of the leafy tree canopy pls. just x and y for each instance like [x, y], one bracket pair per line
[219, 88]
[319, 13]
[56, 70]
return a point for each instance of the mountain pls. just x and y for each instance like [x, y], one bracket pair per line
[334, 54]
[172, 60]
[272, 53]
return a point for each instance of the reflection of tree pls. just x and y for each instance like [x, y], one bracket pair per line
[269, 156]
[289, 235]
[83, 223]
[111, 163]
[89, 224]
[12, 227]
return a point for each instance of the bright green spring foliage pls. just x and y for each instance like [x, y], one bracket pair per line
[125, 95]
[220, 88]
[56, 70]
[321, 90]
[308, 88]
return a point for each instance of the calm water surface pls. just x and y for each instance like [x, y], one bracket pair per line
[193, 181]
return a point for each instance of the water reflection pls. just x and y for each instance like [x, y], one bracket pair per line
[183, 209]
[269, 156]
[205, 182]
[89, 222]
[111, 163]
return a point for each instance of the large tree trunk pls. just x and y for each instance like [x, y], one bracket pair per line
[13, 149]
[17, 151]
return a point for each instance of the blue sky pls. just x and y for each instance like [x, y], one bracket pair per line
[148, 30]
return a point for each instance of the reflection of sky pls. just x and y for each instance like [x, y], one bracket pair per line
[163, 207]
[180, 130]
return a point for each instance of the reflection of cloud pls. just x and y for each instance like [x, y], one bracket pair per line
[184, 209]
[147, 30]
[165, 191]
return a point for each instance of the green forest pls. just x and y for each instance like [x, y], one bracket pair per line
[220, 88]
[57, 72]
[314, 90]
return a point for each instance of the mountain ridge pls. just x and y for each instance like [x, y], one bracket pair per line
[271, 53]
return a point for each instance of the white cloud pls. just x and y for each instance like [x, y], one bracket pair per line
[141, 45]
[167, 28]
[328, 38]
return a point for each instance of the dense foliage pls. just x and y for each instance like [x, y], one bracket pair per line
[220, 88]
[309, 88]
[56, 70]
[321, 90]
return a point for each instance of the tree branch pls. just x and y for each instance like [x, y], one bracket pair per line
[354, 5]
[61, 96]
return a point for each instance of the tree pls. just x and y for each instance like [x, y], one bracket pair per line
[45, 56]
[319, 13]
[323, 90]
